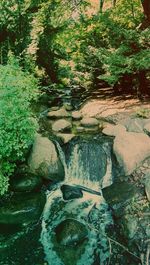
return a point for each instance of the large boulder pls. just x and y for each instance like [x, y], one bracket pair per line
[61, 126]
[131, 149]
[44, 160]
[58, 114]
[22, 208]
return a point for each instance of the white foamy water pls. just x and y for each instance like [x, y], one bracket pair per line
[87, 168]
[84, 166]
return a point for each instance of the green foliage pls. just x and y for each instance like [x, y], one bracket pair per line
[143, 113]
[17, 127]
[131, 56]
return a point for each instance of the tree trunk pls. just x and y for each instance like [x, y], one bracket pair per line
[146, 8]
[101, 6]
[142, 82]
[114, 3]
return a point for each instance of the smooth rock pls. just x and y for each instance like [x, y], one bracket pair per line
[44, 161]
[22, 208]
[70, 232]
[66, 137]
[70, 192]
[25, 183]
[131, 149]
[76, 115]
[89, 122]
[113, 130]
[61, 113]
[61, 126]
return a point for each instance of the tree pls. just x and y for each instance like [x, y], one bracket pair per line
[146, 9]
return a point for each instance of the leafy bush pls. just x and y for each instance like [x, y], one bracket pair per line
[17, 127]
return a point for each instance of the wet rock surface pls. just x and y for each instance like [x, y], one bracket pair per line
[25, 183]
[22, 208]
[70, 192]
[70, 232]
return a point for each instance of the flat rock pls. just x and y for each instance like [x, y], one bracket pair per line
[131, 149]
[61, 126]
[66, 137]
[58, 114]
[44, 161]
[76, 115]
[113, 130]
[89, 122]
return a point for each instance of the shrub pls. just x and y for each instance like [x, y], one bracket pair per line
[17, 126]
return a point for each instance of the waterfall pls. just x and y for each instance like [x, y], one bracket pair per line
[88, 167]
[89, 164]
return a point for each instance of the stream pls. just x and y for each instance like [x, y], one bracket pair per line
[73, 227]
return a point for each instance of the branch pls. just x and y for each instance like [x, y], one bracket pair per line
[117, 243]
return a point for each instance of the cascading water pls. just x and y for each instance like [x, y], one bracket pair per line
[87, 163]
[88, 167]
